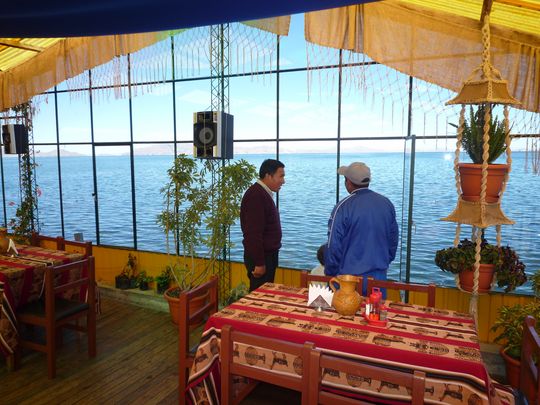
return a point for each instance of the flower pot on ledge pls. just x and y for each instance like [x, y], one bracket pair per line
[195, 304]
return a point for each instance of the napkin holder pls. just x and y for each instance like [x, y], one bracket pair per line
[319, 297]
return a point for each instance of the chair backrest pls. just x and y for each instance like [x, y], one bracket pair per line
[81, 280]
[69, 295]
[79, 247]
[297, 380]
[60, 243]
[306, 278]
[428, 289]
[52, 242]
[529, 381]
[208, 290]
[320, 361]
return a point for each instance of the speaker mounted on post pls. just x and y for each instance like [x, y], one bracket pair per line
[213, 135]
[15, 139]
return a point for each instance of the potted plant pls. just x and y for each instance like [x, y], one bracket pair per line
[473, 143]
[201, 202]
[143, 279]
[237, 292]
[510, 323]
[502, 261]
[126, 279]
[163, 280]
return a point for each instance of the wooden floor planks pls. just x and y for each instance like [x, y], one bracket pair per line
[136, 363]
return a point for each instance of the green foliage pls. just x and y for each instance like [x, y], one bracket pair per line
[473, 134]
[142, 277]
[206, 198]
[26, 221]
[163, 280]
[509, 269]
[237, 292]
[510, 321]
[535, 281]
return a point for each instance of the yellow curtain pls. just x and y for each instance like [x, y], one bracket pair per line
[276, 25]
[65, 59]
[433, 46]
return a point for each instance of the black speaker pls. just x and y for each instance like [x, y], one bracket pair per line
[213, 135]
[15, 138]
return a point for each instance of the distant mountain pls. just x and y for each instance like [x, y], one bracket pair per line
[63, 153]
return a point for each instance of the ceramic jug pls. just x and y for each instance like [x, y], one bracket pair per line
[4, 240]
[346, 299]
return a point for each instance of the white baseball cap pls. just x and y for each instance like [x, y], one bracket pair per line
[356, 172]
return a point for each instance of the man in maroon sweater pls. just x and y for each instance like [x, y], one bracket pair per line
[261, 226]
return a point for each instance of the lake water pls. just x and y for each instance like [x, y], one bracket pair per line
[305, 203]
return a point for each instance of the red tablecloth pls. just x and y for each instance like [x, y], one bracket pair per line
[21, 280]
[442, 343]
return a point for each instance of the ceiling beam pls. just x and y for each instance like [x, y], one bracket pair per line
[17, 44]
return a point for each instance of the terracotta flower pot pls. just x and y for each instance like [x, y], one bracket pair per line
[195, 304]
[485, 278]
[471, 180]
[513, 368]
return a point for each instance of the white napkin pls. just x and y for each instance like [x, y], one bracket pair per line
[318, 295]
[11, 246]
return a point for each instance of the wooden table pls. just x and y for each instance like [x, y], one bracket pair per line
[22, 281]
[442, 343]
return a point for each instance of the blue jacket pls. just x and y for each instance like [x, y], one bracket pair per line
[362, 234]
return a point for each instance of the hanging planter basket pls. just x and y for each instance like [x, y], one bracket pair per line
[485, 279]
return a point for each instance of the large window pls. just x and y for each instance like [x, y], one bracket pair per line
[307, 111]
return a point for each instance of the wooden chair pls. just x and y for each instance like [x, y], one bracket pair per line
[54, 312]
[186, 351]
[319, 361]
[429, 289]
[231, 337]
[529, 381]
[306, 278]
[53, 242]
[79, 247]
[60, 243]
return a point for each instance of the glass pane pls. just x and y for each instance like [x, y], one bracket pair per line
[190, 97]
[237, 251]
[303, 117]
[253, 104]
[44, 121]
[306, 201]
[77, 192]
[48, 195]
[153, 114]
[293, 46]
[74, 117]
[114, 196]
[10, 165]
[111, 119]
[387, 178]
[150, 177]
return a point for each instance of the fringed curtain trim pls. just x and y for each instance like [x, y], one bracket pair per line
[430, 45]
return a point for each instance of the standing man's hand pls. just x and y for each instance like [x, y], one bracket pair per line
[259, 271]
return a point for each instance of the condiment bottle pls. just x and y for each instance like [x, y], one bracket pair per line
[375, 301]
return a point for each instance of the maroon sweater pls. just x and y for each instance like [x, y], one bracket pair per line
[259, 219]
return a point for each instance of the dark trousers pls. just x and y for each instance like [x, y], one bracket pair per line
[271, 263]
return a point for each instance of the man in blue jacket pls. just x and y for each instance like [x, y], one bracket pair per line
[362, 230]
